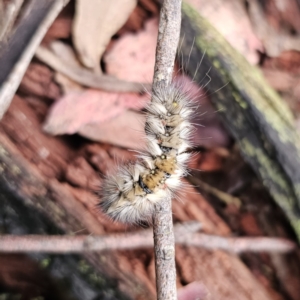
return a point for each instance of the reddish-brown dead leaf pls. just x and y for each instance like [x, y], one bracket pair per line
[209, 160]
[125, 130]
[132, 56]
[75, 110]
[110, 123]
[288, 61]
[231, 20]
[192, 291]
[274, 40]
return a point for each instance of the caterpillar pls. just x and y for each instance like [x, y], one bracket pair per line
[130, 195]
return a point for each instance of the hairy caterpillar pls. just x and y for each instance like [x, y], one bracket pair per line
[130, 195]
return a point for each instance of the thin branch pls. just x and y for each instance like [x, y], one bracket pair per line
[185, 234]
[225, 197]
[15, 74]
[167, 42]
[81, 243]
[86, 77]
[237, 245]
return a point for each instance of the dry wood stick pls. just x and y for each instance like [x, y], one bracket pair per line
[167, 42]
[12, 74]
[140, 240]
[82, 243]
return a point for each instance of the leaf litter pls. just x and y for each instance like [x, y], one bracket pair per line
[115, 119]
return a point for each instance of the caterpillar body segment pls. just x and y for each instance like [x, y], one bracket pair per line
[130, 195]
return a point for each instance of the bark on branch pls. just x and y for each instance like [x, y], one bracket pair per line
[140, 240]
[167, 42]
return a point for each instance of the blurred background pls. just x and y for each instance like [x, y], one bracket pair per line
[74, 80]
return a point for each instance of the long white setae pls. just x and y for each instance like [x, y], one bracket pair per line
[129, 195]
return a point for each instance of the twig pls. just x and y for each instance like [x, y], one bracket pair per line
[86, 77]
[236, 245]
[15, 74]
[81, 243]
[225, 197]
[167, 42]
[185, 234]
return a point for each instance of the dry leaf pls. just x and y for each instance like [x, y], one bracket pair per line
[231, 20]
[85, 76]
[275, 41]
[280, 80]
[68, 85]
[132, 57]
[193, 291]
[95, 22]
[77, 109]
[126, 130]
[66, 53]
